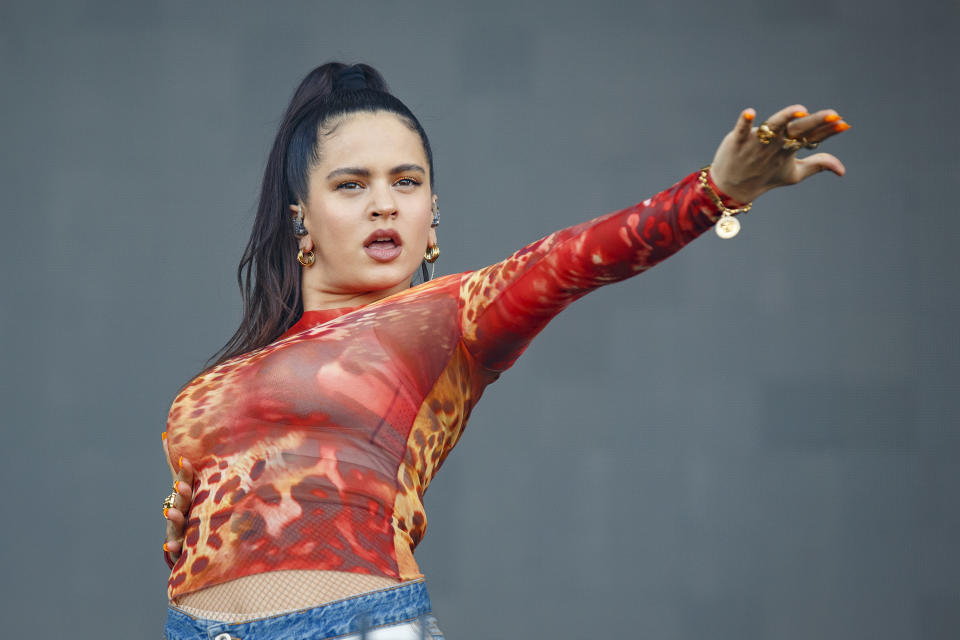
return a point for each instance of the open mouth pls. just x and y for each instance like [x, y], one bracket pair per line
[383, 246]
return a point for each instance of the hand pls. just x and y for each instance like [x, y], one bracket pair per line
[177, 516]
[744, 167]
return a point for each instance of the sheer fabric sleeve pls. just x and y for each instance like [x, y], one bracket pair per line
[506, 304]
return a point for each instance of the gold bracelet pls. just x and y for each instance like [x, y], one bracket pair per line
[727, 225]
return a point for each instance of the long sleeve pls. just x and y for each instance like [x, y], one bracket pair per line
[506, 304]
[313, 452]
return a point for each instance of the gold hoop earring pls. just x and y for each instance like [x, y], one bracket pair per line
[306, 259]
[432, 253]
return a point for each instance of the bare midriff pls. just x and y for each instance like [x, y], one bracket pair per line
[277, 592]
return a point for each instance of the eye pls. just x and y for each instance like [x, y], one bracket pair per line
[407, 182]
[349, 185]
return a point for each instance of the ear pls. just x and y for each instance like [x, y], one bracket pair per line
[305, 242]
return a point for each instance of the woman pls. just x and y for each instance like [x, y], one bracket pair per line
[300, 457]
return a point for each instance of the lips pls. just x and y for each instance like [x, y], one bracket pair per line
[383, 245]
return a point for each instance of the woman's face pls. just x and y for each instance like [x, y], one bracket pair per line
[368, 211]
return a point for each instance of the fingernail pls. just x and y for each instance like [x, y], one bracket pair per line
[165, 509]
[165, 547]
[841, 126]
[163, 436]
[175, 486]
[748, 115]
[831, 118]
[181, 462]
[800, 114]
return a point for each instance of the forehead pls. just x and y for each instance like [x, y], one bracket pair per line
[361, 139]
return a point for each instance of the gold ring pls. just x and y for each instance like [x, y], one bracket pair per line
[791, 144]
[765, 133]
[810, 145]
[170, 502]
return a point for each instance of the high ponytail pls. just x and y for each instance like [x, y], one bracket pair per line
[269, 274]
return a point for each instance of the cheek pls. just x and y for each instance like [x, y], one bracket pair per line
[419, 233]
[334, 227]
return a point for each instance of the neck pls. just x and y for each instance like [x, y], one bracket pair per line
[318, 299]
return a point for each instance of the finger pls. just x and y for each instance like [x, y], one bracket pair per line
[743, 128]
[172, 547]
[176, 518]
[804, 126]
[183, 490]
[173, 540]
[827, 129]
[186, 472]
[818, 162]
[779, 120]
[184, 495]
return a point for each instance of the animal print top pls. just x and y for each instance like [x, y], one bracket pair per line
[314, 452]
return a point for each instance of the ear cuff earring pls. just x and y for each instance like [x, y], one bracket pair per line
[298, 229]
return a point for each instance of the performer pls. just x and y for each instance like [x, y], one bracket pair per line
[301, 455]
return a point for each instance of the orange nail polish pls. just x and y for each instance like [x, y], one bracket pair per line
[163, 436]
[165, 548]
[841, 126]
[748, 115]
[181, 462]
[175, 486]
[800, 114]
[165, 509]
[831, 118]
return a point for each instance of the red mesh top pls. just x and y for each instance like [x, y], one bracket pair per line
[314, 452]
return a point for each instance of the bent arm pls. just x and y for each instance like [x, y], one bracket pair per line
[506, 304]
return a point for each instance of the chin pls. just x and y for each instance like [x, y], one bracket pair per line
[389, 276]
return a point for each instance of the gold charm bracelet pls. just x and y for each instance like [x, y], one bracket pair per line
[727, 225]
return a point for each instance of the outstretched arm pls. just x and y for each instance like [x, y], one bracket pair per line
[506, 304]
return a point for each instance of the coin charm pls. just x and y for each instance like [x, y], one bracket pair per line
[727, 226]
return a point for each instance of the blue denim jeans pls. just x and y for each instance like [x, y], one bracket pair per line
[401, 612]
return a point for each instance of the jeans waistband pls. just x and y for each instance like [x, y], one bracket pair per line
[391, 605]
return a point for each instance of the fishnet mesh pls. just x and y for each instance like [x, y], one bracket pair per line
[275, 592]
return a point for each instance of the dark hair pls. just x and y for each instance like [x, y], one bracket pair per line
[269, 274]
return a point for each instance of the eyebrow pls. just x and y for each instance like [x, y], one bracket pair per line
[357, 171]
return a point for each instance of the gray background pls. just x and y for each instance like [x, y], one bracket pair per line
[757, 439]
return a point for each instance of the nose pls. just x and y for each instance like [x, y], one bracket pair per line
[383, 204]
